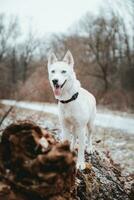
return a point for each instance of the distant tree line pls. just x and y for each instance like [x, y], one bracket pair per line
[103, 49]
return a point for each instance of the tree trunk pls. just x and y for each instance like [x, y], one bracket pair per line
[34, 165]
[106, 83]
[25, 71]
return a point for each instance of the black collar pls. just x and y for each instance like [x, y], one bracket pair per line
[71, 99]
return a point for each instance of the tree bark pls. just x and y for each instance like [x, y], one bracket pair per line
[35, 165]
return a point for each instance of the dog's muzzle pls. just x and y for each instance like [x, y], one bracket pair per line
[56, 85]
[63, 83]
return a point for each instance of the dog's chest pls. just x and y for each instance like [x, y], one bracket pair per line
[70, 112]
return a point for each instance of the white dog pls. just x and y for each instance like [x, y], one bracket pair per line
[77, 107]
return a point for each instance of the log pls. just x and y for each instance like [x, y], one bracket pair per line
[35, 165]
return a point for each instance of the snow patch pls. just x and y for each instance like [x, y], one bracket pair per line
[106, 120]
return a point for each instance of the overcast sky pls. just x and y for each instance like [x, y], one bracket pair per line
[47, 16]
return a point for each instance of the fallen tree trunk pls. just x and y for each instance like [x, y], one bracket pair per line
[36, 166]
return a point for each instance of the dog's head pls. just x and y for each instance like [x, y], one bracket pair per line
[60, 72]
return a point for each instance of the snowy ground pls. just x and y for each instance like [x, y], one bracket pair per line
[103, 119]
[114, 131]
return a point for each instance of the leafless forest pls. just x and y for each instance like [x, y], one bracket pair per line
[103, 49]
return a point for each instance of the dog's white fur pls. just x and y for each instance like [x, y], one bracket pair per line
[76, 117]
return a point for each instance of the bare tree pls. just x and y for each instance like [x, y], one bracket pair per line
[27, 53]
[101, 45]
[9, 32]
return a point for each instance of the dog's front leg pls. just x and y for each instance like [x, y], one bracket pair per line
[89, 146]
[81, 132]
[65, 131]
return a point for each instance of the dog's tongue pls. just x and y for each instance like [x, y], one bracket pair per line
[57, 91]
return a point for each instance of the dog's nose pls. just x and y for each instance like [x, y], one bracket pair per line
[55, 81]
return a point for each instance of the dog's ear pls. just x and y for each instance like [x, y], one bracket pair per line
[68, 58]
[51, 59]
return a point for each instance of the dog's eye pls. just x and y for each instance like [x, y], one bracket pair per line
[53, 71]
[63, 71]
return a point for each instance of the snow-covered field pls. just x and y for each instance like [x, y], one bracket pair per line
[103, 119]
[114, 131]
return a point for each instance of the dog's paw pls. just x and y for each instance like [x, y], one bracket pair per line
[81, 165]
